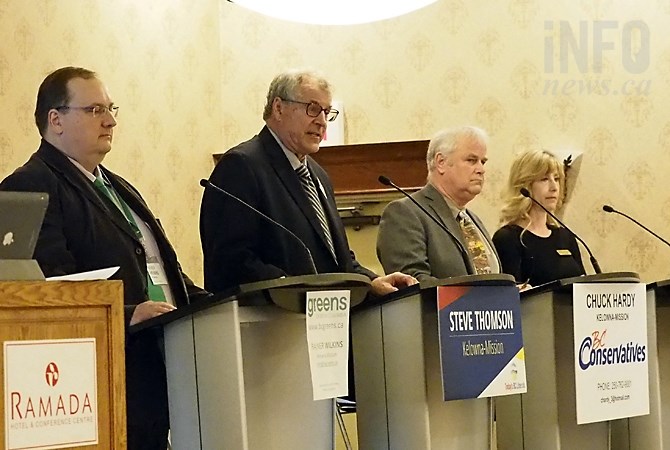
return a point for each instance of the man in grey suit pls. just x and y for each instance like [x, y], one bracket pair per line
[411, 242]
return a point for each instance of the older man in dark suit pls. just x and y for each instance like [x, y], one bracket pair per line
[96, 219]
[274, 173]
[411, 241]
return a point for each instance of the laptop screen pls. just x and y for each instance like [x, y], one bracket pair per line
[21, 216]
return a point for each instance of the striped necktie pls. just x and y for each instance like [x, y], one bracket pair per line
[155, 292]
[474, 245]
[313, 196]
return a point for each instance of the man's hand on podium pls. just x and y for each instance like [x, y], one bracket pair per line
[391, 283]
[149, 310]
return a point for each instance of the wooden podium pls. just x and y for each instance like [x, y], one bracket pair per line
[47, 310]
[238, 368]
[546, 416]
[398, 375]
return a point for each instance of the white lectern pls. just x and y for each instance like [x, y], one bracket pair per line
[546, 416]
[398, 375]
[238, 368]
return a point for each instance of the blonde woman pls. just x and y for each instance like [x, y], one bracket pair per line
[531, 245]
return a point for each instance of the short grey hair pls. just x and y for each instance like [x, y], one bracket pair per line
[445, 141]
[286, 84]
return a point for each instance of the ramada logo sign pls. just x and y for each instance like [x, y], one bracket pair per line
[52, 374]
[61, 405]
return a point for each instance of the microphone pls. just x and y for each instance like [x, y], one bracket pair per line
[594, 261]
[609, 209]
[206, 183]
[387, 182]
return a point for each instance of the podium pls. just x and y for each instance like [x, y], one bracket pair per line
[398, 375]
[47, 310]
[546, 417]
[238, 368]
[652, 432]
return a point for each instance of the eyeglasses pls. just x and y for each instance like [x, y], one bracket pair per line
[95, 110]
[314, 109]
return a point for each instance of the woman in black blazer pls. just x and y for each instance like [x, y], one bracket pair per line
[531, 245]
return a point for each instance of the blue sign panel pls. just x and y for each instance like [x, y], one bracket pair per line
[481, 344]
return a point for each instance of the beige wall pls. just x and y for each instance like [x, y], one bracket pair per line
[190, 78]
[160, 61]
[482, 62]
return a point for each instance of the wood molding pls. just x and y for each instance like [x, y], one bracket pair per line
[354, 169]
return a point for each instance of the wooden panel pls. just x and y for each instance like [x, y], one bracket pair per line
[61, 310]
[354, 169]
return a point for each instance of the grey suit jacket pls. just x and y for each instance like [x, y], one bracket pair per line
[411, 242]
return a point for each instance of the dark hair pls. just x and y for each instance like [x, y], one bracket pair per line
[53, 92]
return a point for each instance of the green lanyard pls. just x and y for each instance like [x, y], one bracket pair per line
[154, 291]
[108, 190]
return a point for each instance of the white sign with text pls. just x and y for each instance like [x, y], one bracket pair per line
[611, 352]
[328, 342]
[50, 394]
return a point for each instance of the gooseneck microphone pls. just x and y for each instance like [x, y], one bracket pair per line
[609, 209]
[594, 261]
[208, 184]
[387, 182]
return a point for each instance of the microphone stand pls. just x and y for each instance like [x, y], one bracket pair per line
[206, 183]
[609, 209]
[594, 261]
[387, 182]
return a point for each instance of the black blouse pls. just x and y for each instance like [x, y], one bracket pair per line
[536, 259]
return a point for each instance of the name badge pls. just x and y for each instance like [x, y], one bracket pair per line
[156, 273]
[563, 252]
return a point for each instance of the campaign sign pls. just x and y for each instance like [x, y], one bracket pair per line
[328, 342]
[481, 346]
[50, 394]
[611, 353]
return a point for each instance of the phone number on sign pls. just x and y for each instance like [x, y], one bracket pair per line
[613, 385]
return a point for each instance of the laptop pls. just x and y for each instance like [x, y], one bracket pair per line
[21, 216]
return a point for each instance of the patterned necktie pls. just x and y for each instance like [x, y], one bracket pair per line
[474, 244]
[155, 292]
[313, 196]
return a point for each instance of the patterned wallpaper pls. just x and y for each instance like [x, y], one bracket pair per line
[159, 59]
[586, 75]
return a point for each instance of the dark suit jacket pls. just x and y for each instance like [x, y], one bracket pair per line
[411, 242]
[83, 230]
[240, 247]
